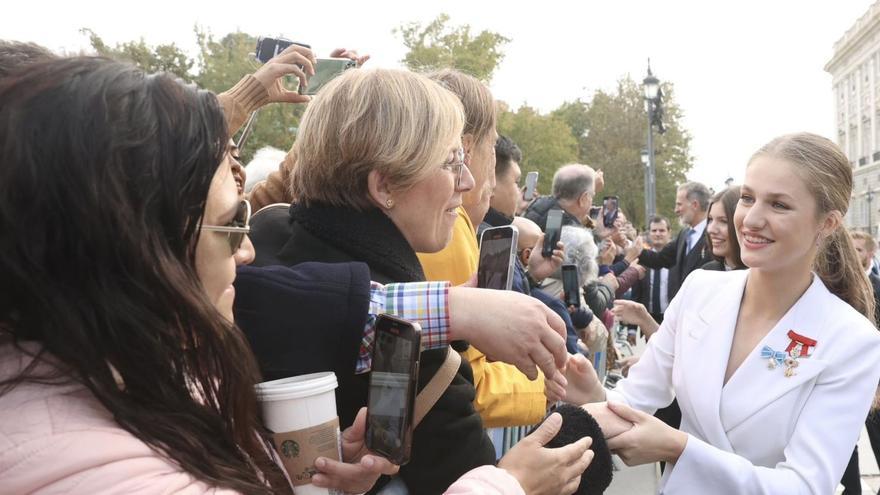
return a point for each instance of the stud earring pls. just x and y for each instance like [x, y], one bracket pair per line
[389, 203]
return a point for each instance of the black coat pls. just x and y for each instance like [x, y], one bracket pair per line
[450, 440]
[672, 256]
[537, 212]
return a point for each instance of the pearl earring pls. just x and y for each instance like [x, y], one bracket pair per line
[389, 203]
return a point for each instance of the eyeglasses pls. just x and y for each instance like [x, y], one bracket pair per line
[237, 228]
[456, 166]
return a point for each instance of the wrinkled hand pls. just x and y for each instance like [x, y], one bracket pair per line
[351, 55]
[611, 423]
[359, 470]
[627, 363]
[541, 267]
[583, 384]
[634, 249]
[630, 312]
[543, 471]
[610, 279]
[649, 440]
[554, 389]
[510, 327]
[284, 64]
[599, 181]
[606, 257]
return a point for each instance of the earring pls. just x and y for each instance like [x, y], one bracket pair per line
[389, 203]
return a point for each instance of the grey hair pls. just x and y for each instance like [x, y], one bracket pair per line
[266, 160]
[697, 191]
[581, 250]
[570, 181]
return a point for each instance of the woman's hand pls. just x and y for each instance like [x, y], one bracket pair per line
[359, 470]
[583, 384]
[606, 257]
[351, 55]
[543, 471]
[649, 440]
[633, 313]
[612, 425]
[295, 60]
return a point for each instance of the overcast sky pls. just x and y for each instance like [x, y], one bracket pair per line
[744, 71]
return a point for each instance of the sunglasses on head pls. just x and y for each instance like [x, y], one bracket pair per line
[236, 229]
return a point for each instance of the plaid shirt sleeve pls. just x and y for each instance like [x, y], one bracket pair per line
[426, 303]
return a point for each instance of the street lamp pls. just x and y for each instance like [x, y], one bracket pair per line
[653, 104]
[646, 162]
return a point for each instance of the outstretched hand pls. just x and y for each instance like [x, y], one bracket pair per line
[543, 471]
[351, 55]
[541, 267]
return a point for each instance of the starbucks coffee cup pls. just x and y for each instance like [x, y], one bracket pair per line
[301, 412]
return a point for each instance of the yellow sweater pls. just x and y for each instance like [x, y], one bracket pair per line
[505, 396]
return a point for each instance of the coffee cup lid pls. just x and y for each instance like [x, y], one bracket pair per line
[297, 387]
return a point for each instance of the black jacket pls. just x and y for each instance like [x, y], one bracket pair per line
[672, 256]
[537, 212]
[450, 440]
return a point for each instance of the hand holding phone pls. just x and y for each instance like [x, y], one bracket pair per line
[325, 71]
[531, 184]
[393, 384]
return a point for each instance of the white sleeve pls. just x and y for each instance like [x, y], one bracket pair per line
[822, 440]
[648, 386]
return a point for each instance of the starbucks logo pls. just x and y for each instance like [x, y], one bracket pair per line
[290, 448]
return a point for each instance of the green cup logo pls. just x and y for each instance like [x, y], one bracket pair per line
[290, 448]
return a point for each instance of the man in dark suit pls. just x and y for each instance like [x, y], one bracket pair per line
[652, 290]
[688, 252]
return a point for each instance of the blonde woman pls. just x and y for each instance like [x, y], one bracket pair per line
[774, 367]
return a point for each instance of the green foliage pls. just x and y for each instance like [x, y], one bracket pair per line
[545, 140]
[440, 46]
[161, 58]
[618, 126]
[219, 65]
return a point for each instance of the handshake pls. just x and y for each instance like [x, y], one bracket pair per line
[635, 436]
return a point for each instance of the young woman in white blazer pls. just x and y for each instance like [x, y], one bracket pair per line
[775, 367]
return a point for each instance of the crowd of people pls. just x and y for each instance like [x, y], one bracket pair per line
[147, 284]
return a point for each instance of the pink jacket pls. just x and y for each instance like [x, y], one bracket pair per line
[60, 439]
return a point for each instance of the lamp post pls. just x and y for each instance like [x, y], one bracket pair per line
[653, 102]
[646, 163]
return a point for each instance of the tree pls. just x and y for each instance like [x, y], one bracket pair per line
[545, 140]
[440, 46]
[617, 124]
[220, 64]
[161, 58]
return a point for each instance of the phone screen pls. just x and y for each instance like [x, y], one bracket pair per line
[570, 285]
[497, 248]
[531, 182]
[392, 388]
[609, 204]
[325, 71]
[552, 232]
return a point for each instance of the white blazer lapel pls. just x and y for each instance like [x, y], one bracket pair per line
[706, 346]
[754, 386]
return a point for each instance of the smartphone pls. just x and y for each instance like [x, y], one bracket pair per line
[610, 204]
[531, 183]
[269, 47]
[393, 384]
[594, 212]
[570, 286]
[552, 232]
[325, 71]
[497, 256]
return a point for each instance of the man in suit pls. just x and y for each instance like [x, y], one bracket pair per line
[688, 252]
[652, 290]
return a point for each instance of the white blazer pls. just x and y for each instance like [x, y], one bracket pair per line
[762, 432]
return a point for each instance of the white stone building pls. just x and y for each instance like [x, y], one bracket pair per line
[855, 71]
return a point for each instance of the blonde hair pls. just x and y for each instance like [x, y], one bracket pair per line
[479, 105]
[827, 174]
[865, 238]
[396, 122]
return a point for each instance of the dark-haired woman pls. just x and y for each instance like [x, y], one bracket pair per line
[720, 232]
